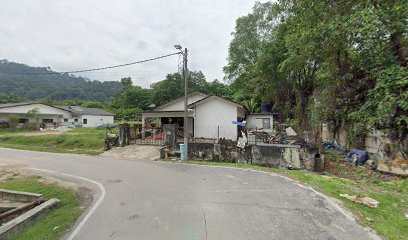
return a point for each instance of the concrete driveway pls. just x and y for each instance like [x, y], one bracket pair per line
[157, 200]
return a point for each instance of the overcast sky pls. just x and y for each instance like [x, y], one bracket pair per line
[78, 34]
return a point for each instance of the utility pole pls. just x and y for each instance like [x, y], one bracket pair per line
[185, 71]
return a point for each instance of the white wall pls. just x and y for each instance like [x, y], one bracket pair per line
[255, 121]
[213, 113]
[58, 115]
[96, 120]
[45, 112]
[179, 105]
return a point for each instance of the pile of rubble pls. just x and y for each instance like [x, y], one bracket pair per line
[282, 135]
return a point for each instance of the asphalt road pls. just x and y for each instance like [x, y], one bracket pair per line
[158, 200]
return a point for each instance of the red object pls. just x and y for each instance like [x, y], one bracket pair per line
[159, 137]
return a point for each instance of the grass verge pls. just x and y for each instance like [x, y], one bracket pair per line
[388, 219]
[58, 221]
[81, 140]
[13, 130]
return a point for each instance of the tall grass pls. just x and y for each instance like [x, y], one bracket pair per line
[80, 140]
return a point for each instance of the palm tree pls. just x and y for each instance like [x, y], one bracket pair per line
[251, 105]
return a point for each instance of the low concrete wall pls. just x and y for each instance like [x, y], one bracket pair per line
[9, 229]
[277, 156]
[272, 155]
[223, 151]
[19, 196]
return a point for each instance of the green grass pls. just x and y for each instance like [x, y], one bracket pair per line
[80, 140]
[388, 219]
[59, 220]
[4, 131]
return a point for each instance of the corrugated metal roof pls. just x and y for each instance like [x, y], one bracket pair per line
[7, 105]
[73, 109]
[180, 98]
[213, 96]
[85, 111]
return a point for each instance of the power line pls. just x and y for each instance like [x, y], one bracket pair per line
[98, 69]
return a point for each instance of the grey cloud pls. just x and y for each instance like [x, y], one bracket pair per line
[77, 34]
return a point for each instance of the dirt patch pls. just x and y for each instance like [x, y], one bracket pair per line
[134, 152]
[84, 194]
[10, 171]
[50, 131]
[19, 171]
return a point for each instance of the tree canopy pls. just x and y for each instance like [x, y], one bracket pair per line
[20, 82]
[337, 62]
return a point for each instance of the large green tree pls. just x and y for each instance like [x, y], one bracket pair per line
[317, 61]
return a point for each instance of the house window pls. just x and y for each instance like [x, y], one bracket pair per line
[76, 120]
[65, 119]
[47, 120]
[266, 123]
[23, 120]
[85, 121]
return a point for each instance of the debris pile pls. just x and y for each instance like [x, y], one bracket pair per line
[398, 166]
[282, 135]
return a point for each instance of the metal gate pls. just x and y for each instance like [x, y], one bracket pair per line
[147, 136]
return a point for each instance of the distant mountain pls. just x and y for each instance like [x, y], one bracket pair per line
[51, 86]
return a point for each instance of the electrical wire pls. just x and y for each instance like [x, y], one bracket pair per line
[97, 69]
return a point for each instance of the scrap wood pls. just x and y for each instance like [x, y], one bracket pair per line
[372, 203]
[291, 142]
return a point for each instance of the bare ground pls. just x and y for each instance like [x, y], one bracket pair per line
[135, 152]
[48, 131]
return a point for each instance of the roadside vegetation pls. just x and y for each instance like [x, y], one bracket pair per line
[80, 140]
[4, 131]
[55, 224]
[388, 219]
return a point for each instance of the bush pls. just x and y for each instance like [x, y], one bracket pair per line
[13, 121]
[4, 124]
[31, 126]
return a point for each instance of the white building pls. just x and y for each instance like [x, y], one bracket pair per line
[209, 117]
[262, 121]
[56, 115]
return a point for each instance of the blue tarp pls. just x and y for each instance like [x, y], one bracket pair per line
[239, 123]
[361, 156]
[330, 145]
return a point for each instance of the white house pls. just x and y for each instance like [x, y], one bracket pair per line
[208, 116]
[260, 121]
[56, 115]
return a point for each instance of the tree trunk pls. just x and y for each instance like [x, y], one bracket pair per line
[399, 47]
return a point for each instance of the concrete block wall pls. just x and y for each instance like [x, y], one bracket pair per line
[272, 155]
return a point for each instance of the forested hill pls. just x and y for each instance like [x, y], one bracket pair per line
[51, 86]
